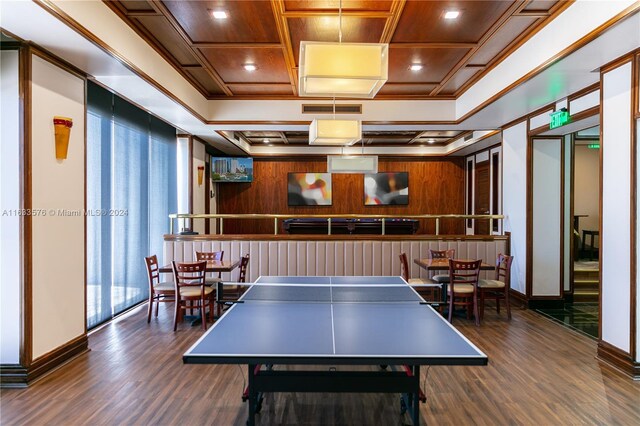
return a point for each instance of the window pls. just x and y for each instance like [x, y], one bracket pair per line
[131, 189]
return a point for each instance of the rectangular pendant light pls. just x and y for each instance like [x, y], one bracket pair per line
[352, 164]
[343, 70]
[335, 132]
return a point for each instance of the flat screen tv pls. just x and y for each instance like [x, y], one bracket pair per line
[382, 189]
[232, 169]
[309, 189]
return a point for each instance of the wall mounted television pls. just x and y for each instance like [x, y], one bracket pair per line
[232, 169]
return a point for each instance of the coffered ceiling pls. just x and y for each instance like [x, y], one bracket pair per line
[211, 53]
[376, 138]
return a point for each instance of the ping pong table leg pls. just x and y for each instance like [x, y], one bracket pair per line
[415, 408]
[253, 396]
[421, 395]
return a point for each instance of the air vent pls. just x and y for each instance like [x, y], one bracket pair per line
[328, 109]
[468, 137]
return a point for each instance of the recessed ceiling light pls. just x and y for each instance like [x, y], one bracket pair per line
[415, 67]
[451, 14]
[431, 140]
[265, 140]
[219, 14]
[250, 67]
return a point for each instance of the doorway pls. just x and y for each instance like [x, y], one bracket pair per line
[581, 277]
[482, 195]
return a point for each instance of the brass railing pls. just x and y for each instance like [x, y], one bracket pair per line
[276, 217]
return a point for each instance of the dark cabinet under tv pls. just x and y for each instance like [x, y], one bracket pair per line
[351, 226]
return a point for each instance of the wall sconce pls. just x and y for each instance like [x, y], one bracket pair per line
[62, 126]
[200, 175]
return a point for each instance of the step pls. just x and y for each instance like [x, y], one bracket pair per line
[585, 296]
[585, 282]
[585, 271]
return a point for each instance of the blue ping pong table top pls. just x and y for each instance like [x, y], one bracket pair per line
[333, 320]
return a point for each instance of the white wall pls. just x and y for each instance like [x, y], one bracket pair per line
[183, 183]
[10, 178]
[637, 249]
[616, 186]
[587, 187]
[545, 247]
[514, 199]
[568, 223]
[199, 196]
[57, 240]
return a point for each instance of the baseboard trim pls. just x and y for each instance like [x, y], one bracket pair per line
[545, 303]
[518, 297]
[619, 359]
[18, 376]
[568, 297]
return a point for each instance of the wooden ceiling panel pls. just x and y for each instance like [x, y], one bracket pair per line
[407, 89]
[459, 79]
[248, 21]
[185, 34]
[229, 63]
[325, 28]
[299, 5]
[423, 21]
[204, 79]
[131, 5]
[541, 5]
[496, 45]
[436, 64]
[163, 32]
[261, 89]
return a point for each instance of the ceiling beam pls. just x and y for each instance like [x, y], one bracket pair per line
[285, 41]
[433, 45]
[392, 21]
[334, 12]
[206, 45]
[162, 9]
[515, 7]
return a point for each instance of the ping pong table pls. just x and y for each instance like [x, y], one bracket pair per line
[346, 321]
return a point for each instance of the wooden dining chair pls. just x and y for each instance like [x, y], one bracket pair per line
[158, 291]
[427, 288]
[463, 286]
[498, 288]
[192, 291]
[442, 254]
[210, 255]
[234, 292]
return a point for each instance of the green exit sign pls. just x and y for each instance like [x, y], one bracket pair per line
[559, 118]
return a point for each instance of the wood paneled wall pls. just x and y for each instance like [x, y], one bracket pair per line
[436, 186]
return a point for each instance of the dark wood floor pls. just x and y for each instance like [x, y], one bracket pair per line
[539, 373]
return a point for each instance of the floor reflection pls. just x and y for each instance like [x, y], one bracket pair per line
[582, 317]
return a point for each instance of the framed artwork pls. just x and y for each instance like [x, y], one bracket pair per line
[309, 189]
[383, 189]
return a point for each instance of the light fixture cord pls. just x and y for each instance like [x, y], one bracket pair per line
[340, 22]
[334, 107]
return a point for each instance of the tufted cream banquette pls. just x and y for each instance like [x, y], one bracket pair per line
[330, 255]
